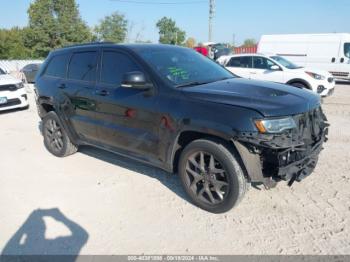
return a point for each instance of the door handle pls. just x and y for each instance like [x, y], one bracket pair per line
[333, 59]
[62, 86]
[102, 92]
[342, 60]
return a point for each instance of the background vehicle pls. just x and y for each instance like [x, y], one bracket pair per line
[330, 52]
[30, 72]
[174, 108]
[12, 92]
[278, 69]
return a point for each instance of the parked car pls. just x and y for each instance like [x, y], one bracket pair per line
[173, 108]
[278, 69]
[30, 72]
[330, 52]
[12, 92]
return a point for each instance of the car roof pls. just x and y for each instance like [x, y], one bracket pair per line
[135, 47]
[250, 54]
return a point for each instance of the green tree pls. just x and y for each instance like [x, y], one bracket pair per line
[169, 33]
[12, 44]
[53, 24]
[112, 28]
[249, 42]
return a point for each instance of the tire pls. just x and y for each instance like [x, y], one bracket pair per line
[299, 85]
[56, 139]
[226, 188]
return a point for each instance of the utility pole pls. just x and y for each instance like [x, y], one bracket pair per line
[211, 16]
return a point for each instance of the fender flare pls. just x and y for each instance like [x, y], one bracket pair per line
[295, 80]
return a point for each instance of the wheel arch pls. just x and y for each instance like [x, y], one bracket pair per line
[185, 137]
[299, 80]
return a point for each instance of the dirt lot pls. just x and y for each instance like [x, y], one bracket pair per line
[96, 202]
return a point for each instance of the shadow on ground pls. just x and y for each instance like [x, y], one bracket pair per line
[30, 238]
[171, 181]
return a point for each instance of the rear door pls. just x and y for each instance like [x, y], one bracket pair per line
[262, 70]
[240, 66]
[127, 118]
[79, 87]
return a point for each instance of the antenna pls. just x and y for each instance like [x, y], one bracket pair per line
[211, 16]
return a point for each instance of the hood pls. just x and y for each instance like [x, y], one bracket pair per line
[8, 80]
[313, 70]
[270, 99]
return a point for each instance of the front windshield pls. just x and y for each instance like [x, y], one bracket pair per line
[182, 66]
[286, 63]
[347, 50]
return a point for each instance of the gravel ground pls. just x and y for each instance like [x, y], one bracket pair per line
[95, 202]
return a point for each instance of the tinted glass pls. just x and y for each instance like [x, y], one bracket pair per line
[347, 49]
[2, 72]
[262, 63]
[57, 66]
[243, 61]
[83, 66]
[114, 66]
[183, 66]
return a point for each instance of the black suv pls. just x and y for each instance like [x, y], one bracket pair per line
[178, 110]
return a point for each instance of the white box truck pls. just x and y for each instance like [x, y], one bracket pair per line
[329, 52]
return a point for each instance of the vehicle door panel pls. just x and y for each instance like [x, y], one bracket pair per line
[127, 117]
[262, 70]
[79, 90]
[240, 66]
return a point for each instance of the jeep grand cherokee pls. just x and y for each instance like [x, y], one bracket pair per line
[176, 109]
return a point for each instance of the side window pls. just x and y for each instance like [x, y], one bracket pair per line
[347, 50]
[114, 66]
[243, 61]
[246, 61]
[234, 62]
[262, 63]
[83, 66]
[57, 66]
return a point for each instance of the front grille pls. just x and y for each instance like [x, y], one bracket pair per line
[340, 74]
[11, 102]
[8, 88]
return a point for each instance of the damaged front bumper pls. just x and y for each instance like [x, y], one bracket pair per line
[289, 156]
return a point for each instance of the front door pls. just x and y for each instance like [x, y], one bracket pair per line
[263, 70]
[127, 118]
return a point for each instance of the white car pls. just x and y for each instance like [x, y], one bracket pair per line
[278, 69]
[12, 93]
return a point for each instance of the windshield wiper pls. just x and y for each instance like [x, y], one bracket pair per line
[197, 83]
[194, 83]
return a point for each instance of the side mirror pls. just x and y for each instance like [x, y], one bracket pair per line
[135, 80]
[275, 68]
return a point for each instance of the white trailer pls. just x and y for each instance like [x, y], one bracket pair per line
[329, 52]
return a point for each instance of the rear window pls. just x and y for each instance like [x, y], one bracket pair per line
[243, 61]
[57, 66]
[83, 66]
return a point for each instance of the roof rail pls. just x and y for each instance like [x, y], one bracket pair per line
[87, 44]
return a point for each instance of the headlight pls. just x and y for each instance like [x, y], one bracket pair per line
[275, 125]
[316, 76]
[19, 85]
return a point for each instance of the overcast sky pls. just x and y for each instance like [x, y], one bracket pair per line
[242, 18]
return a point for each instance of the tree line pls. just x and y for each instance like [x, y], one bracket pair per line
[57, 23]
